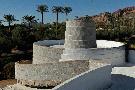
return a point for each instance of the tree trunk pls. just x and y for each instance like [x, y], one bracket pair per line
[42, 18]
[57, 20]
[29, 25]
[9, 24]
[133, 23]
[66, 16]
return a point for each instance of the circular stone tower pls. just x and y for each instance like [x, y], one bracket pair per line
[80, 36]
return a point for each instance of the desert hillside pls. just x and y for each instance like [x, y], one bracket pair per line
[125, 12]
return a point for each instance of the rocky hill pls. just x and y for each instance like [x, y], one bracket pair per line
[126, 12]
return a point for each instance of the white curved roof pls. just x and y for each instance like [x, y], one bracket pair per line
[108, 44]
[60, 43]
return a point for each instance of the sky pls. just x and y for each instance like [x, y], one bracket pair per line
[20, 8]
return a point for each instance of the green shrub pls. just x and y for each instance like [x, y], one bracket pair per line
[9, 71]
[5, 44]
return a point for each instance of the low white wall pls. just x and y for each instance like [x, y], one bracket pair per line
[97, 79]
[108, 44]
[131, 56]
[128, 71]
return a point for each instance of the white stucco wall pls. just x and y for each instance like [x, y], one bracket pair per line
[97, 79]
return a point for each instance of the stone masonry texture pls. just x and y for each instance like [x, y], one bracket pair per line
[52, 73]
[80, 34]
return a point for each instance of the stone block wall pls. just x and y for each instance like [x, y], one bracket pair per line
[114, 56]
[80, 34]
[109, 51]
[98, 79]
[52, 73]
[43, 53]
[49, 73]
[49, 42]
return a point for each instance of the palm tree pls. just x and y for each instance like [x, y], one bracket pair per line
[67, 10]
[57, 10]
[42, 9]
[29, 19]
[76, 17]
[10, 19]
